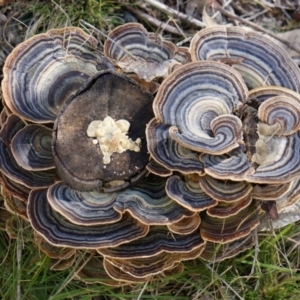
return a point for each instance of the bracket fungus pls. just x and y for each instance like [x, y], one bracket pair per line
[37, 74]
[256, 57]
[244, 141]
[135, 50]
[80, 137]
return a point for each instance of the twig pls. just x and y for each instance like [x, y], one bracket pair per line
[179, 28]
[184, 41]
[175, 13]
[154, 21]
[257, 14]
[259, 28]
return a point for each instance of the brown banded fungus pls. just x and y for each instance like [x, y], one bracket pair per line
[57, 177]
[37, 74]
[246, 141]
[135, 50]
[78, 141]
[257, 58]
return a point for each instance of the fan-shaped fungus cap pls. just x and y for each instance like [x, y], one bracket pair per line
[52, 251]
[186, 225]
[277, 149]
[259, 95]
[234, 166]
[135, 50]
[80, 162]
[11, 187]
[216, 252]
[270, 191]
[225, 190]
[83, 208]
[93, 271]
[225, 230]
[31, 147]
[148, 266]
[197, 101]
[226, 209]
[188, 194]
[168, 153]
[259, 60]
[158, 240]
[15, 205]
[9, 157]
[44, 71]
[61, 232]
[279, 116]
[149, 203]
[290, 197]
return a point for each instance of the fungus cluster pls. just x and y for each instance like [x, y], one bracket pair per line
[93, 162]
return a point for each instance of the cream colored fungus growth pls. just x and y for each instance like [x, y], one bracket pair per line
[112, 137]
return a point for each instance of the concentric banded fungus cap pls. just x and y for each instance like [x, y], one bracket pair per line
[270, 191]
[279, 116]
[146, 202]
[135, 50]
[277, 147]
[189, 194]
[225, 230]
[225, 190]
[80, 162]
[149, 203]
[261, 94]
[10, 156]
[216, 252]
[168, 154]
[185, 225]
[93, 271]
[31, 147]
[52, 251]
[196, 101]
[235, 166]
[44, 71]
[290, 197]
[60, 232]
[83, 208]
[260, 61]
[119, 275]
[158, 240]
[144, 267]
